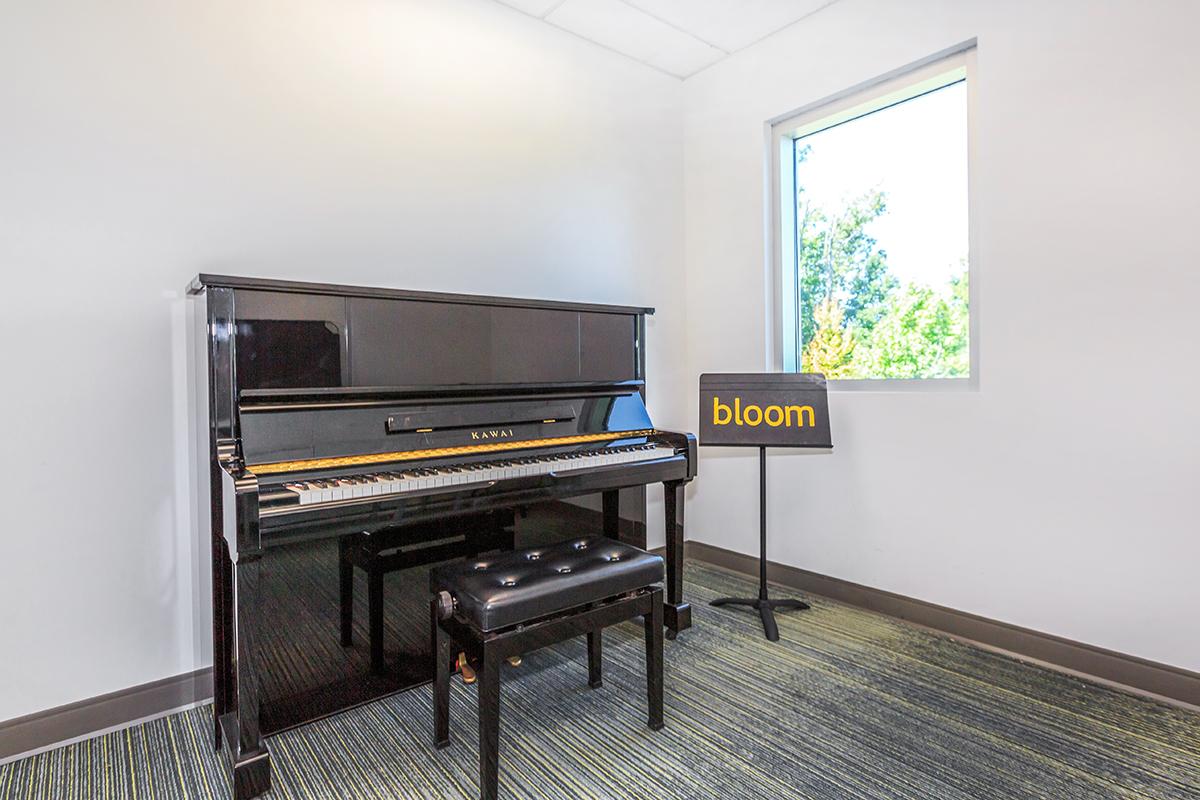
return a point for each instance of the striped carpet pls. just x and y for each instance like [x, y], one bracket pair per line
[848, 705]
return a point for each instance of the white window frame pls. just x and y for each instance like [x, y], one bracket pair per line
[897, 86]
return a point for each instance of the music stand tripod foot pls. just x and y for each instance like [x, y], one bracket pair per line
[766, 609]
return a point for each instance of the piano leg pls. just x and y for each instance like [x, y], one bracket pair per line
[243, 745]
[676, 613]
[346, 589]
[222, 568]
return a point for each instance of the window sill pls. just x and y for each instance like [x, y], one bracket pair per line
[904, 385]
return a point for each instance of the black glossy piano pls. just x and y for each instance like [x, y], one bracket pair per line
[350, 432]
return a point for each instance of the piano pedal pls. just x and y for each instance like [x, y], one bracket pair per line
[465, 669]
[514, 661]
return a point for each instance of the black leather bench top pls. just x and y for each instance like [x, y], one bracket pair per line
[511, 588]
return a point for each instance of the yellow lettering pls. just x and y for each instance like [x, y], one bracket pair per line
[474, 434]
[722, 414]
[800, 412]
[754, 415]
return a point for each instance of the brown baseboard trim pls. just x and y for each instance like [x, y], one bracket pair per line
[45, 728]
[1159, 681]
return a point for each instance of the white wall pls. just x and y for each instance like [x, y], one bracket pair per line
[454, 146]
[1062, 495]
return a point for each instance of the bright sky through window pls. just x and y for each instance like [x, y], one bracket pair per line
[916, 153]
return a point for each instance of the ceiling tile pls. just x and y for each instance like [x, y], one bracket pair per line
[537, 8]
[621, 27]
[727, 24]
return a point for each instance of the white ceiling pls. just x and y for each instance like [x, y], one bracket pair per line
[679, 37]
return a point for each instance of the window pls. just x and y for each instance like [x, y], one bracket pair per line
[873, 235]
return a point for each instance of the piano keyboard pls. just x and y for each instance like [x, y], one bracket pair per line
[400, 481]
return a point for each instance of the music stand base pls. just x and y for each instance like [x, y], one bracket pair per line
[765, 605]
[766, 610]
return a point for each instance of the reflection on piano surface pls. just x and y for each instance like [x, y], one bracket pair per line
[384, 431]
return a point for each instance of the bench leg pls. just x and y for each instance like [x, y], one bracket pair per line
[441, 682]
[375, 617]
[612, 514]
[489, 725]
[654, 660]
[346, 587]
[595, 652]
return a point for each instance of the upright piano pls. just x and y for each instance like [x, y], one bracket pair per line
[346, 428]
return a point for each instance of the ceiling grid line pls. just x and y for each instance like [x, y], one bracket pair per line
[680, 38]
[552, 9]
[670, 24]
[766, 36]
[611, 49]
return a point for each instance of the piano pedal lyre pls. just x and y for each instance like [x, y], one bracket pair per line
[465, 669]
[468, 672]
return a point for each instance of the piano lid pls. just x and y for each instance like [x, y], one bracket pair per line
[205, 280]
[260, 400]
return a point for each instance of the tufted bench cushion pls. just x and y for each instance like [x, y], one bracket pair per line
[521, 585]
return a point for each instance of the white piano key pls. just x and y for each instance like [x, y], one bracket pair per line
[366, 487]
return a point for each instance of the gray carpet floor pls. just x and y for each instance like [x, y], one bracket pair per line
[848, 704]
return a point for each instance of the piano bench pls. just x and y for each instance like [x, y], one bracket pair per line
[398, 548]
[516, 602]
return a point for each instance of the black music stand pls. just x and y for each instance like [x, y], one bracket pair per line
[765, 605]
[764, 410]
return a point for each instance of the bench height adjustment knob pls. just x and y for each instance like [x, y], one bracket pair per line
[445, 605]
